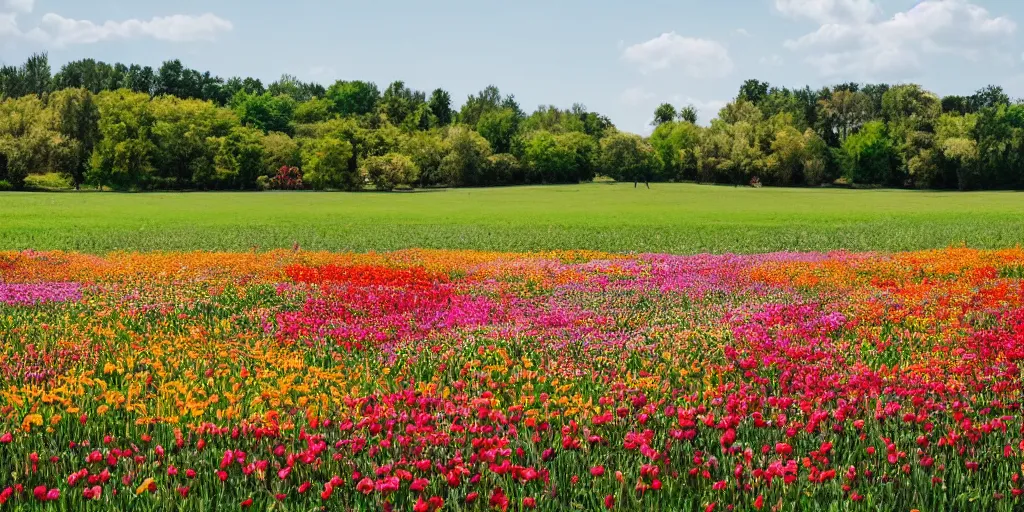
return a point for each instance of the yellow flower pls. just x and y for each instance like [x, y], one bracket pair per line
[142, 488]
[30, 421]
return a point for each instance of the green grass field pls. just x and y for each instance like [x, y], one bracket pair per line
[612, 217]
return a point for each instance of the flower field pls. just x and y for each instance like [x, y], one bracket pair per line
[460, 380]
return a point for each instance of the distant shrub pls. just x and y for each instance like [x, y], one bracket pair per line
[48, 181]
[287, 178]
[390, 171]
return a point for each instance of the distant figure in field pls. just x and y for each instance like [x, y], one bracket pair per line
[641, 176]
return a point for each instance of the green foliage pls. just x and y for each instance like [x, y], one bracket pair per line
[399, 103]
[264, 111]
[326, 164]
[180, 132]
[499, 127]
[741, 111]
[238, 160]
[665, 113]
[49, 181]
[123, 157]
[279, 150]
[355, 98]
[477, 105]
[427, 151]
[130, 127]
[440, 105]
[688, 114]
[389, 171]
[75, 116]
[868, 156]
[314, 110]
[627, 157]
[295, 89]
[559, 158]
[506, 169]
[676, 145]
[466, 162]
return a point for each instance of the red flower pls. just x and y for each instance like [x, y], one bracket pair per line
[783, 449]
[420, 506]
[419, 485]
[499, 500]
[609, 501]
[365, 486]
[247, 503]
[529, 502]
[597, 470]
[759, 502]
[6, 438]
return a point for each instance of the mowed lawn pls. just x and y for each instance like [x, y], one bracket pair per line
[613, 217]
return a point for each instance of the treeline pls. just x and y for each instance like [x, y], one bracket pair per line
[875, 134]
[129, 127]
[133, 128]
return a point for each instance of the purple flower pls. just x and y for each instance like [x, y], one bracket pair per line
[29, 294]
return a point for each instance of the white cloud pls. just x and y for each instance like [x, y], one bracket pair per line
[743, 32]
[177, 28]
[9, 25]
[862, 48]
[830, 11]
[698, 58]
[773, 60]
[19, 5]
[636, 96]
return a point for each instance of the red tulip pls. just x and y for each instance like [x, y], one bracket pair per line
[421, 505]
[247, 503]
[783, 449]
[609, 501]
[365, 486]
[419, 485]
[529, 502]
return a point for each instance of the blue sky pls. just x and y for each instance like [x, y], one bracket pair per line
[620, 58]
